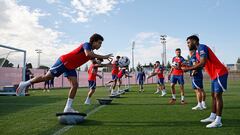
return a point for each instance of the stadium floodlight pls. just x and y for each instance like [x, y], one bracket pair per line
[164, 42]
[24, 57]
[39, 51]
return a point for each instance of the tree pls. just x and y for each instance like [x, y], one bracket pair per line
[238, 61]
[5, 63]
[168, 65]
[43, 67]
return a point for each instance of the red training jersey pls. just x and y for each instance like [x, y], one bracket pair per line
[77, 57]
[212, 66]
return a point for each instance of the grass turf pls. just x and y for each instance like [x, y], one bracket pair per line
[133, 113]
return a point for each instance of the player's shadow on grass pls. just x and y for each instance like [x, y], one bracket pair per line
[142, 124]
[10, 105]
[231, 122]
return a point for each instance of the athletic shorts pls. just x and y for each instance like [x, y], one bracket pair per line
[114, 77]
[177, 79]
[197, 83]
[91, 84]
[58, 68]
[160, 81]
[220, 84]
[140, 82]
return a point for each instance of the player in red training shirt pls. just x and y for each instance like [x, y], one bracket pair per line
[66, 64]
[218, 74]
[92, 75]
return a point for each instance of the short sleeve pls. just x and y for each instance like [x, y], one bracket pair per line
[203, 51]
[87, 46]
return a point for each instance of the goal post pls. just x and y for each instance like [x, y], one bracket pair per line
[24, 58]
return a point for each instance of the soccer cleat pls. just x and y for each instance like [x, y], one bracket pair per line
[157, 92]
[21, 88]
[207, 120]
[164, 94]
[172, 101]
[214, 125]
[204, 107]
[70, 110]
[87, 102]
[197, 108]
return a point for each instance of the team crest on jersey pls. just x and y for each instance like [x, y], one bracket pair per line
[202, 52]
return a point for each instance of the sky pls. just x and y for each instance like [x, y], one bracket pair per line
[59, 26]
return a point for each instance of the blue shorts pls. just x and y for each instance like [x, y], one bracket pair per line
[160, 81]
[220, 84]
[114, 77]
[58, 68]
[177, 78]
[91, 85]
[140, 82]
[197, 83]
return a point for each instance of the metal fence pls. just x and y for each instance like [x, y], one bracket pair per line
[12, 76]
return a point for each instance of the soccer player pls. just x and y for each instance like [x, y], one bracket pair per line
[141, 79]
[158, 70]
[123, 72]
[67, 64]
[46, 83]
[115, 70]
[176, 75]
[92, 74]
[197, 82]
[218, 74]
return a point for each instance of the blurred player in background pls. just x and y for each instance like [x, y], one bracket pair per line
[197, 82]
[176, 76]
[159, 70]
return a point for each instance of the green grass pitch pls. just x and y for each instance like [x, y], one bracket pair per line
[133, 113]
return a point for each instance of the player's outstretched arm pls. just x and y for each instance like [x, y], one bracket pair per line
[93, 55]
[151, 75]
[99, 76]
[198, 65]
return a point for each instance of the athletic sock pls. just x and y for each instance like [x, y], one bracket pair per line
[28, 82]
[69, 103]
[212, 116]
[203, 103]
[182, 98]
[218, 119]
[173, 96]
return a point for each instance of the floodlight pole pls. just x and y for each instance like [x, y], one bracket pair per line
[133, 46]
[164, 42]
[39, 51]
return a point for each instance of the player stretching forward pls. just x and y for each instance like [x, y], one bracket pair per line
[67, 64]
[115, 70]
[176, 75]
[158, 70]
[92, 74]
[197, 82]
[141, 79]
[218, 74]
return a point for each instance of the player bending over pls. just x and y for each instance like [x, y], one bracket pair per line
[66, 64]
[218, 74]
